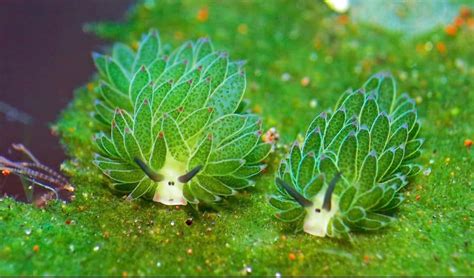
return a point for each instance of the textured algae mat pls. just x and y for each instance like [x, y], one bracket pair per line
[300, 56]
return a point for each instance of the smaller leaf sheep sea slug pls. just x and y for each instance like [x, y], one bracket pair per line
[177, 132]
[348, 172]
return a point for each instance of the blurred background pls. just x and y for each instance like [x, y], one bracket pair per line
[44, 55]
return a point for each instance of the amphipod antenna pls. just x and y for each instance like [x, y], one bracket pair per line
[189, 175]
[35, 172]
[148, 171]
[328, 195]
[295, 194]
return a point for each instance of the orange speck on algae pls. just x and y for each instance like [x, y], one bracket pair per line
[366, 259]
[203, 14]
[468, 143]
[36, 248]
[451, 30]
[243, 29]
[459, 21]
[257, 109]
[441, 47]
[291, 256]
[305, 81]
[465, 12]
[343, 19]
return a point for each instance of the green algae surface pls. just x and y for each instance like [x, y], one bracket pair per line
[300, 57]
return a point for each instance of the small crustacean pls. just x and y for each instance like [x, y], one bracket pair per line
[36, 173]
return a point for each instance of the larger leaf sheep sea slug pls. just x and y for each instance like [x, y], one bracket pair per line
[173, 129]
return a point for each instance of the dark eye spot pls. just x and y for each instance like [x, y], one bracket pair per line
[317, 210]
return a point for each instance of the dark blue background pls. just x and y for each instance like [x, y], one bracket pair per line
[44, 55]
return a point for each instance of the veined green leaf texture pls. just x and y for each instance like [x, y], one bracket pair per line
[176, 131]
[371, 139]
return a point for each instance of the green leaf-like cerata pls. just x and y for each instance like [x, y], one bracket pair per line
[176, 133]
[348, 173]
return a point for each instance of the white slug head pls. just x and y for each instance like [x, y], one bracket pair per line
[170, 180]
[319, 210]
[317, 218]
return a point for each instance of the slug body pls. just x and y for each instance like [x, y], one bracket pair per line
[177, 129]
[348, 173]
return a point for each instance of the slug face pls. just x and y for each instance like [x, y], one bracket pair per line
[317, 218]
[176, 132]
[170, 190]
[371, 139]
[319, 210]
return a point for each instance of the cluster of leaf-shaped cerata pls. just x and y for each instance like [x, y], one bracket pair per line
[348, 172]
[177, 134]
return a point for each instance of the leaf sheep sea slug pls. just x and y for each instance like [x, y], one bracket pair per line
[177, 130]
[348, 172]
